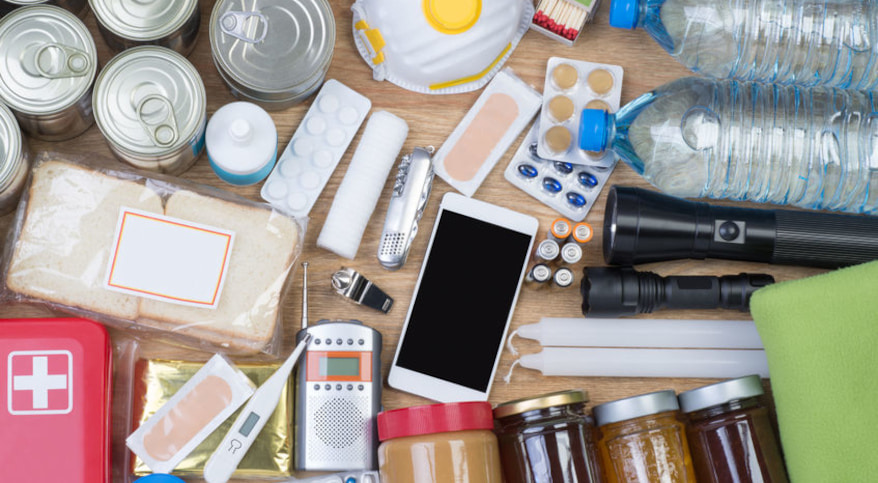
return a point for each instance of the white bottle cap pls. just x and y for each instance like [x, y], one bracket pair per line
[241, 142]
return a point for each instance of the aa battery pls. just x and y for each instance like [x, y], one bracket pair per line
[563, 277]
[582, 233]
[539, 274]
[547, 251]
[571, 253]
[560, 230]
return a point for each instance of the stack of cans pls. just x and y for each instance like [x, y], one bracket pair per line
[563, 245]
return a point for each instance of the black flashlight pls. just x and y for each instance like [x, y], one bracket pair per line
[623, 291]
[643, 226]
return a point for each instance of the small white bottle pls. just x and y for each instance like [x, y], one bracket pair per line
[241, 141]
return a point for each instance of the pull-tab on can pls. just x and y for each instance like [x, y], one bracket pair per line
[274, 53]
[50, 61]
[151, 106]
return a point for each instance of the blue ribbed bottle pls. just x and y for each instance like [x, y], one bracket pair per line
[803, 42]
[813, 147]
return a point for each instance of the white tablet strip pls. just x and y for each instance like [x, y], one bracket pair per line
[216, 391]
[490, 127]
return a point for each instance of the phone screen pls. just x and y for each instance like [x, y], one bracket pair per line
[465, 297]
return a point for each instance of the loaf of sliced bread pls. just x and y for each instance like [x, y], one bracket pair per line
[263, 252]
[67, 234]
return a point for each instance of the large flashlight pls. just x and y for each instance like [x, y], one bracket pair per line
[642, 226]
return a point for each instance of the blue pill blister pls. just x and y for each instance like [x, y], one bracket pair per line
[570, 189]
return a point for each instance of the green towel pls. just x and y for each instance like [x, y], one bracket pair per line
[821, 340]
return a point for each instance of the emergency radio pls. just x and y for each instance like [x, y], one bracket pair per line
[338, 395]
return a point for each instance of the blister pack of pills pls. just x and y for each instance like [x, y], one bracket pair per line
[569, 189]
[570, 87]
[316, 148]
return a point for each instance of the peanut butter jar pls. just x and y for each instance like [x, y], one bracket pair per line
[439, 443]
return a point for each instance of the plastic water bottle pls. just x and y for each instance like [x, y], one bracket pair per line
[804, 42]
[814, 147]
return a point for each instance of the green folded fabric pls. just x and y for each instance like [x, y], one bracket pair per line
[821, 340]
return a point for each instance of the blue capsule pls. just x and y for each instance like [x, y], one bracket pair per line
[563, 168]
[527, 171]
[551, 185]
[587, 179]
[575, 199]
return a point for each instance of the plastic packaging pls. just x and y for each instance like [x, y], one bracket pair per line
[361, 187]
[808, 147]
[547, 438]
[569, 189]
[439, 443]
[813, 42]
[590, 332]
[316, 148]
[241, 143]
[642, 438]
[487, 130]
[216, 391]
[438, 47]
[190, 264]
[730, 433]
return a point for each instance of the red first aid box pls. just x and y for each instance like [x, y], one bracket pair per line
[55, 391]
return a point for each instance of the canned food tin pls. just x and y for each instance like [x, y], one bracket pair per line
[13, 161]
[78, 7]
[130, 23]
[151, 106]
[274, 53]
[49, 63]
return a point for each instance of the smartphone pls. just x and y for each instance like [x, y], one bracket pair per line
[463, 301]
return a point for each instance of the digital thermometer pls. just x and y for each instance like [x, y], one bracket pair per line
[225, 459]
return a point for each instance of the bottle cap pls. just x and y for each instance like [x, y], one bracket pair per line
[721, 393]
[435, 418]
[241, 141]
[159, 478]
[593, 130]
[543, 401]
[624, 13]
[635, 407]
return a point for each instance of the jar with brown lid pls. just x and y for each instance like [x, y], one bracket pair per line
[643, 439]
[439, 443]
[730, 433]
[547, 439]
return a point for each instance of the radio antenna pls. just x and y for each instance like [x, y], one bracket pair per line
[304, 295]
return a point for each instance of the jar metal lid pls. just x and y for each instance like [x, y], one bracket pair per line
[143, 21]
[11, 145]
[721, 393]
[48, 58]
[635, 407]
[552, 399]
[435, 418]
[149, 101]
[272, 50]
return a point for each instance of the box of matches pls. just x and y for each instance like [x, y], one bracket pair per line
[562, 20]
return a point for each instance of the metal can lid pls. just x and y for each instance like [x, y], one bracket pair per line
[272, 48]
[11, 145]
[143, 21]
[149, 101]
[635, 407]
[721, 393]
[548, 250]
[49, 59]
[543, 401]
[563, 277]
[571, 252]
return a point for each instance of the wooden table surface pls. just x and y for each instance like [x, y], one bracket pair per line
[431, 119]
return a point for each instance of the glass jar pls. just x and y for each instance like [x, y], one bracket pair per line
[643, 439]
[730, 434]
[547, 439]
[439, 443]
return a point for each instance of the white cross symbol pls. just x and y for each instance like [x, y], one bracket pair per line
[40, 382]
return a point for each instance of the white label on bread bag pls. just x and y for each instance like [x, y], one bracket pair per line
[169, 259]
